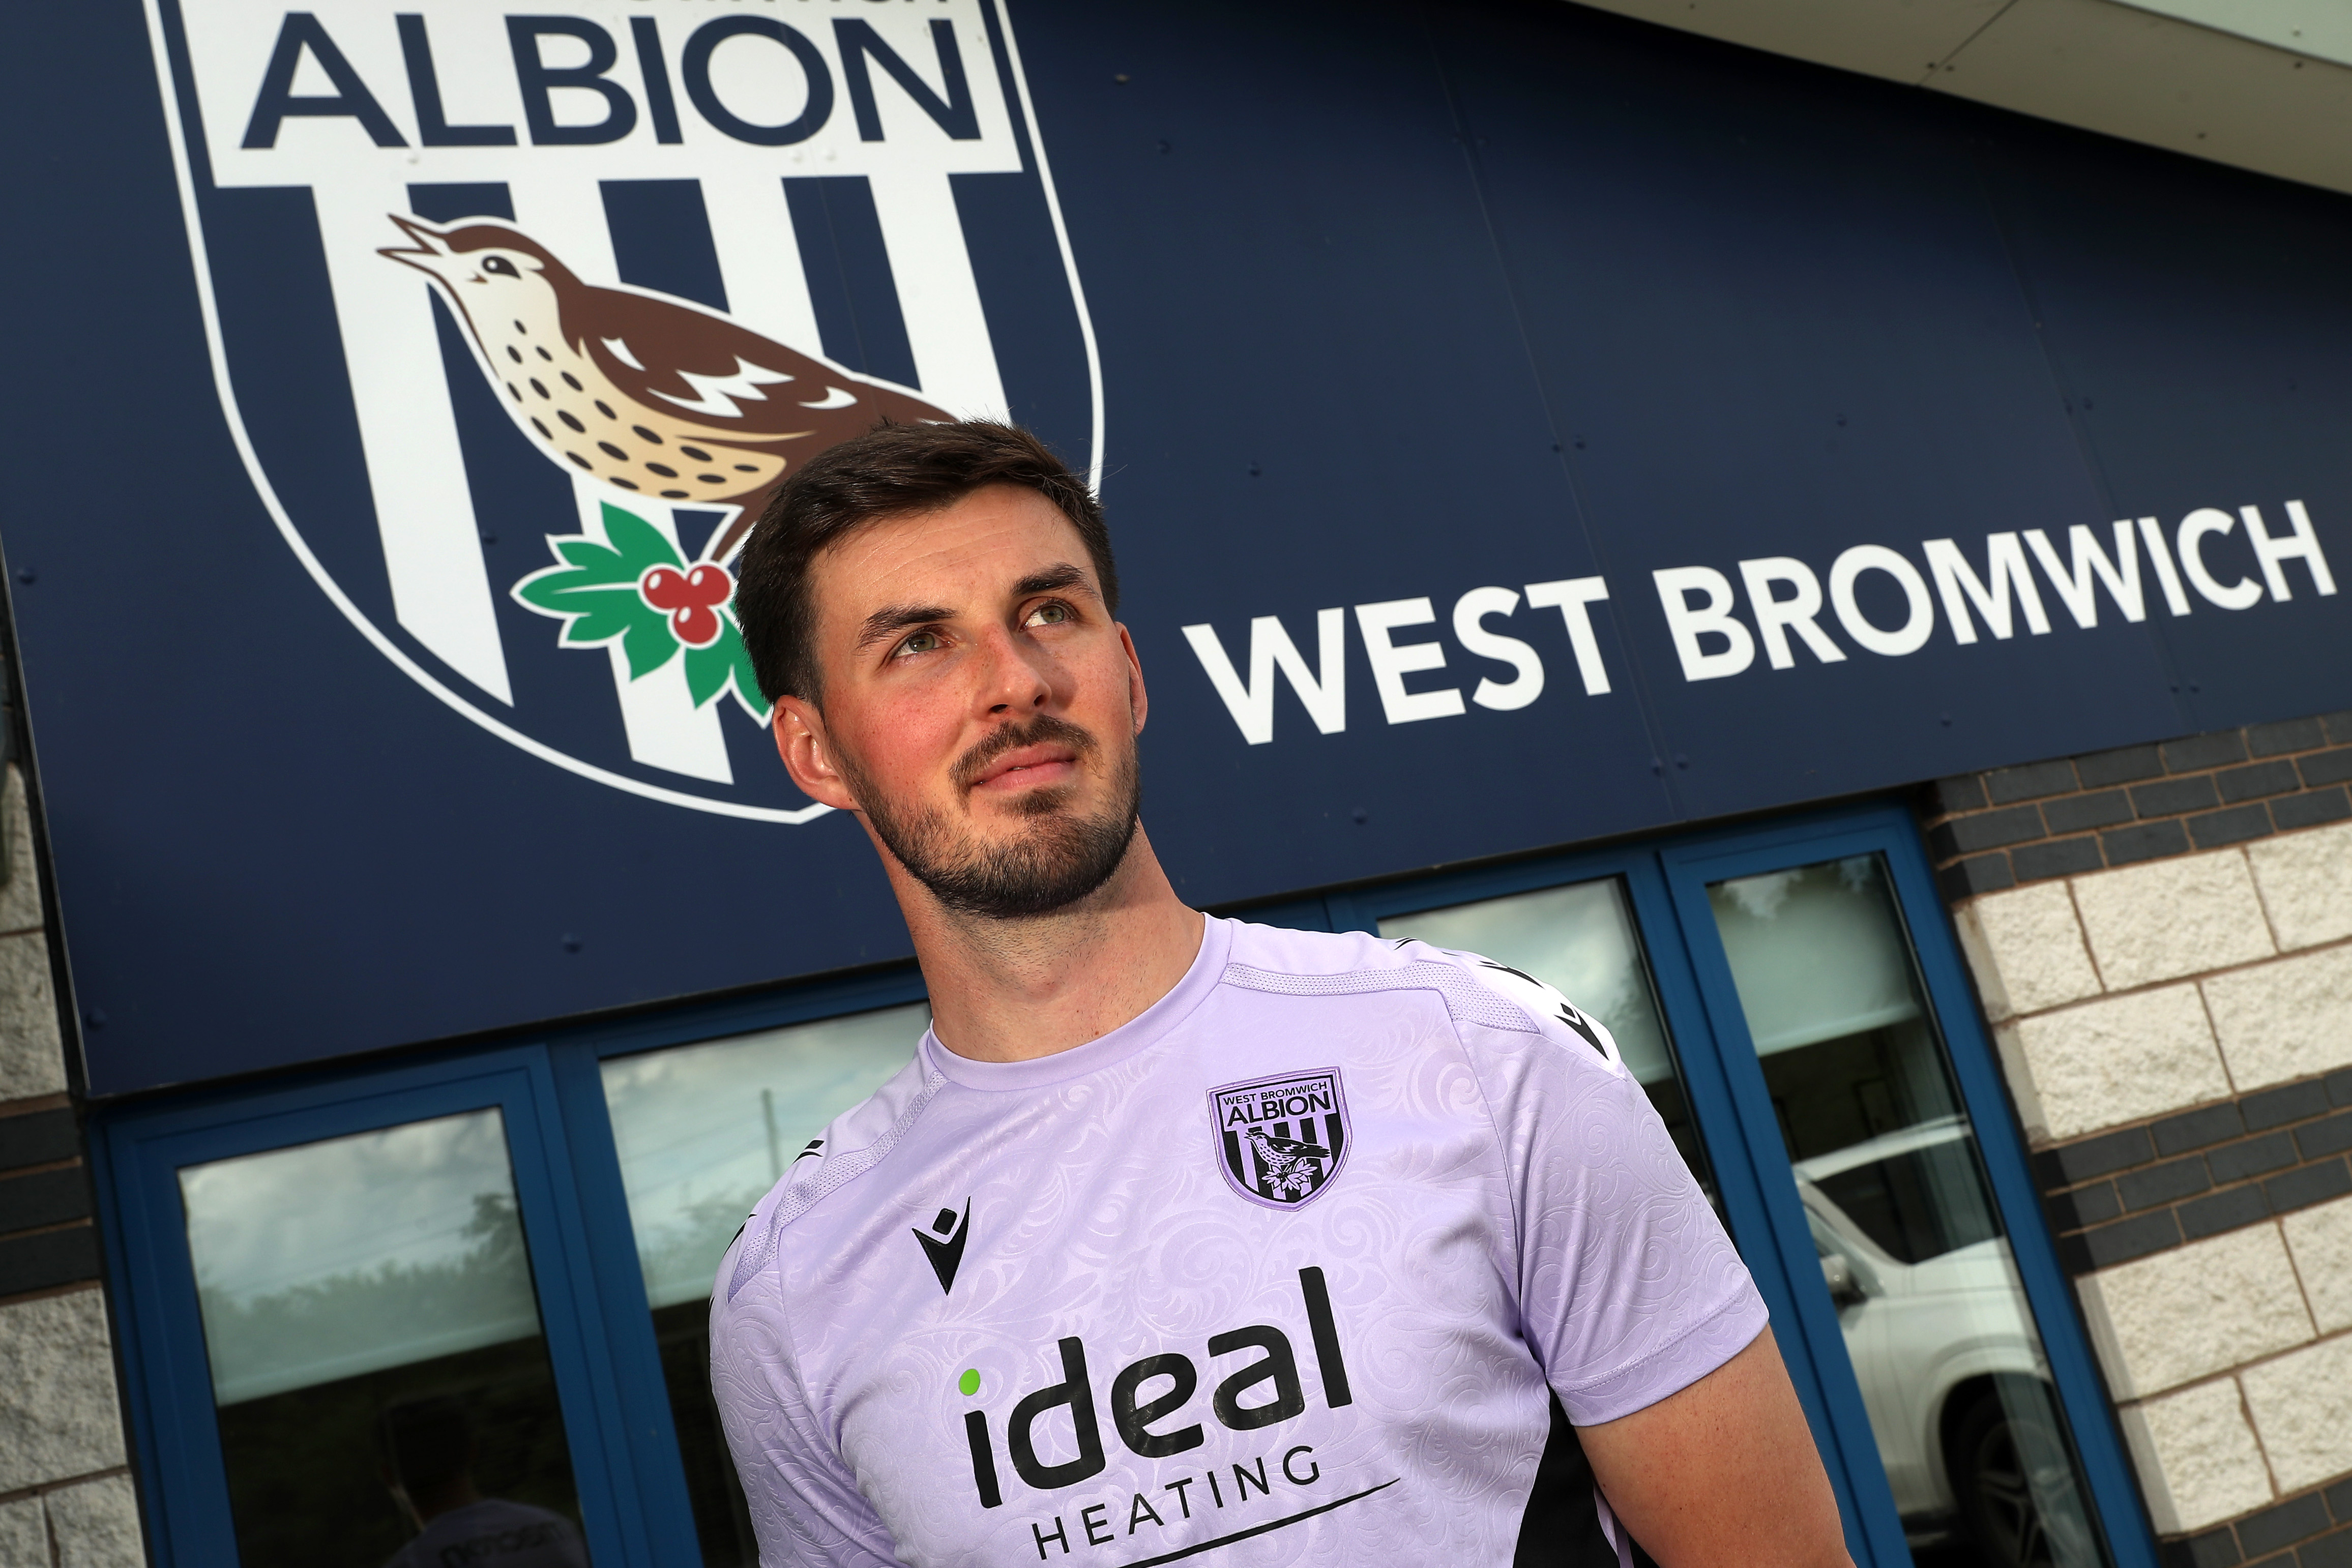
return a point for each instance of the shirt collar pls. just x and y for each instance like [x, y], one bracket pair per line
[1146, 1028]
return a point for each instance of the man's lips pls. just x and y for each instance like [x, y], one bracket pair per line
[1028, 765]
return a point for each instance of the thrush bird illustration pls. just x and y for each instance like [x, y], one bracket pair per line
[1289, 1166]
[645, 391]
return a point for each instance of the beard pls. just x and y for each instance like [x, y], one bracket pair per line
[1053, 860]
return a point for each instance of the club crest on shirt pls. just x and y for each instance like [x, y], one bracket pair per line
[1280, 1141]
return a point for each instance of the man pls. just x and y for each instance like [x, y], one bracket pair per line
[429, 1444]
[1181, 1237]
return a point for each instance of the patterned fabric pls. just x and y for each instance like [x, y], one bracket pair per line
[1466, 1001]
[807, 1184]
[1288, 1270]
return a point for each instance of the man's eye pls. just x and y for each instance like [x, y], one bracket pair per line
[1049, 615]
[920, 643]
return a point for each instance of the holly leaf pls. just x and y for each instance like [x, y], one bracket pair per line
[647, 646]
[638, 542]
[595, 591]
[725, 662]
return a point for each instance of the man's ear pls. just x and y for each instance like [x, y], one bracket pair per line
[1136, 701]
[808, 755]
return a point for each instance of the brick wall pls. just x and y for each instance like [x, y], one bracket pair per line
[1991, 830]
[2313, 1529]
[2171, 999]
[2176, 1179]
[66, 1494]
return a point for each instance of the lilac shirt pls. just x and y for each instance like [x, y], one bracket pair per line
[1295, 1261]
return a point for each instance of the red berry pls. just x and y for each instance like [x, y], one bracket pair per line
[691, 599]
[666, 588]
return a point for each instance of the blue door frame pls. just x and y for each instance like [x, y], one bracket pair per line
[170, 1385]
[1690, 867]
[599, 1339]
[1665, 883]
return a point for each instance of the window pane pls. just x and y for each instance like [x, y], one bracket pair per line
[1813, 962]
[1578, 940]
[703, 1132]
[375, 1353]
[1911, 1246]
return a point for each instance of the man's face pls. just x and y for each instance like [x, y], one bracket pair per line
[980, 707]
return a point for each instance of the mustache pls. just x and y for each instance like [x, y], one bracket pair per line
[1034, 731]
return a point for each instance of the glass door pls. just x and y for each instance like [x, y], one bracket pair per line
[354, 1327]
[1800, 1020]
[1916, 1290]
[379, 1364]
[1913, 1251]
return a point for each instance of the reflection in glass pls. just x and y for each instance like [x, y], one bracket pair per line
[1578, 940]
[703, 1132]
[1911, 1247]
[373, 1340]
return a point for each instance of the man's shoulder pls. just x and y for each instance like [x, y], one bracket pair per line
[1476, 991]
[1285, 949]
[851, 1144]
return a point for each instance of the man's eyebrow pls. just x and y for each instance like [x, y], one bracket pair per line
[893, 619]
[1063, 575]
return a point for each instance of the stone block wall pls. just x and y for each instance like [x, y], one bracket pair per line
[2173, 1012]
[66, 1495]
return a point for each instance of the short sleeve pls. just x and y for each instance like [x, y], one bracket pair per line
[806, 1511]
[1628, 1289]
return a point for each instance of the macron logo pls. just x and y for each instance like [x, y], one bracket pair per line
[943, 1244]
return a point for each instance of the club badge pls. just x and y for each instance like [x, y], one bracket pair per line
[518, 321]
[1280, 1141]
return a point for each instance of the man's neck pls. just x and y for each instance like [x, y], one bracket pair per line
[1010, 991]
[446, 1498]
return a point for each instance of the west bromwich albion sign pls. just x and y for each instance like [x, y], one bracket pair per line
[598, 280]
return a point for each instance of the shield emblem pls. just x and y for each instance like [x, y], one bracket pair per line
[518, 319]
[1281, 1141]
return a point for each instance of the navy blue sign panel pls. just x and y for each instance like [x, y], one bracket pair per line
[1519, 426]
[1705, 436]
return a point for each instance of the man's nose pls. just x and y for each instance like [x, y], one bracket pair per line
[1014, 678]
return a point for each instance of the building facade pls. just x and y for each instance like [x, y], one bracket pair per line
[1839, 580]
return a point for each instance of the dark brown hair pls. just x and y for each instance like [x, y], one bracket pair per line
[889, 471]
